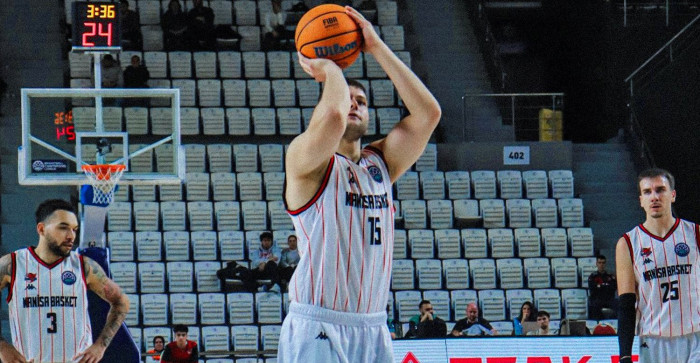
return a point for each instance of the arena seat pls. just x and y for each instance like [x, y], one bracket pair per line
[183, 309]
[223, 186]
[173, 215]
[179, 275]
[152, 277]
[232, 245]
[177, 244]
[204, 244]
[456, 273]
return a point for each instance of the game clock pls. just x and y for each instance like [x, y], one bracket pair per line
[96, 26]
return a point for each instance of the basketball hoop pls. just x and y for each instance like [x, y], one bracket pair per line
[103, 178]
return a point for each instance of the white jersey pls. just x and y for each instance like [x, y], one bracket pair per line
[346, 238]
[48, 307]
[666, 269]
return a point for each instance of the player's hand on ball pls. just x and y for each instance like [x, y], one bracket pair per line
[371, 38]
[317, 67]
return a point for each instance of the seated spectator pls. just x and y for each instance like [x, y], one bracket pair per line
[543, 322]
[234, 271]
[288, 261]
[111, 72]
[391, 323]
[181, 350]
[473, 324]
[136, 75]
[264, 261]
[275, 31]
[131, 30]
[602, 286]
[174, 24]
[527, 313]
[426, 324]
[200, 22]
[158, 347]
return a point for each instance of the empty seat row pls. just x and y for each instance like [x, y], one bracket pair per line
[203, 216]
[219, 121]
[487, 184]
[182, 246]
[152, 309]
[251, 36]
[250, 93]
[227, 64]
[493, 213]
[509, 273]
[495, 243]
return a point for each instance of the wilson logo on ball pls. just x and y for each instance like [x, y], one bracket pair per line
[330, 22]
[335, 49]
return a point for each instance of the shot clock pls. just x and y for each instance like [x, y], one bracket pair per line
[96, 26]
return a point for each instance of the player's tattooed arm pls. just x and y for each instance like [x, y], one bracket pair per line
[108, 290]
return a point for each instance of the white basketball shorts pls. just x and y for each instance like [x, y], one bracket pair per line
[683, 349]
[313, 334]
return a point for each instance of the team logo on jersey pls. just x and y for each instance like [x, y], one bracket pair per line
[351, 177]
[682, 249]
[30, 278]
[322, 335]
[68, 278]
[375, 173]
[646, 252]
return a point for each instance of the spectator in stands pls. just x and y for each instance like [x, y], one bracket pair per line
[601, 286]
[131, 30]
[264, 263]
[181, 350]
[136, 75]
[158, 347]
[111, 72]
[288, 261]
[391, 322]
[543, 322]
[527, 313]
[275, 32]
[174, 24]
[473, 324]
[200, 22]
[426, 324]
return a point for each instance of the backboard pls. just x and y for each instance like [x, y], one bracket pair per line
[62, 128]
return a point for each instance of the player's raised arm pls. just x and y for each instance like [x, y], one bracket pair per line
[626, 289]
[108, 290]
[310, 152]
[8, 353]
[406, 142]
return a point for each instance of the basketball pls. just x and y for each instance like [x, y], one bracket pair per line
[326, 31]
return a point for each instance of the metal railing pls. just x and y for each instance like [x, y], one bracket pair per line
[519, 110]
[655, 63]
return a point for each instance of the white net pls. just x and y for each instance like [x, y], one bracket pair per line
[103, 179]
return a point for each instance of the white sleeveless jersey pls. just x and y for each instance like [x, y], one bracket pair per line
[666, 269]
[48, 307]
[345, 238]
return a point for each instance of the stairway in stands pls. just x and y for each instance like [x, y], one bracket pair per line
[605, 177]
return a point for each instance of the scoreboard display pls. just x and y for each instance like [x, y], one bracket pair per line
[96, 26]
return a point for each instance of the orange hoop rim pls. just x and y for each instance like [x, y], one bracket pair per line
[103, 171]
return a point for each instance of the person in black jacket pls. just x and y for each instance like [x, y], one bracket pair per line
[426, 324]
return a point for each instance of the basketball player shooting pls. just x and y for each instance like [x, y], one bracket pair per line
[47, 295]
[340, 199]
[657, 268]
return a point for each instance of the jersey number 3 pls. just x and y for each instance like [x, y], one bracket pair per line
[375, 231]
[52, 328]
[673, 288]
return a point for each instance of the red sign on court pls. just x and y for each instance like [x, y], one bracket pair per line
[410, 358]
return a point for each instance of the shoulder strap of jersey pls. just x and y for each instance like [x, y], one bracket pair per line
[12, 278]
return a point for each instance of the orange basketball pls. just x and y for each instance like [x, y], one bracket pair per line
[326, 31]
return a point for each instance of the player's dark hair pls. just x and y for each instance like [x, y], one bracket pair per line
[601, 257]
[162, 339]
[47, 207]
[180, 328]
[265, 235]
[653, 173]
[542, 313]
[423, 302]
[356, 83]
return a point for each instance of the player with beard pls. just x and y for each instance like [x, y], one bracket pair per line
[47, 295]
[339, 196]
